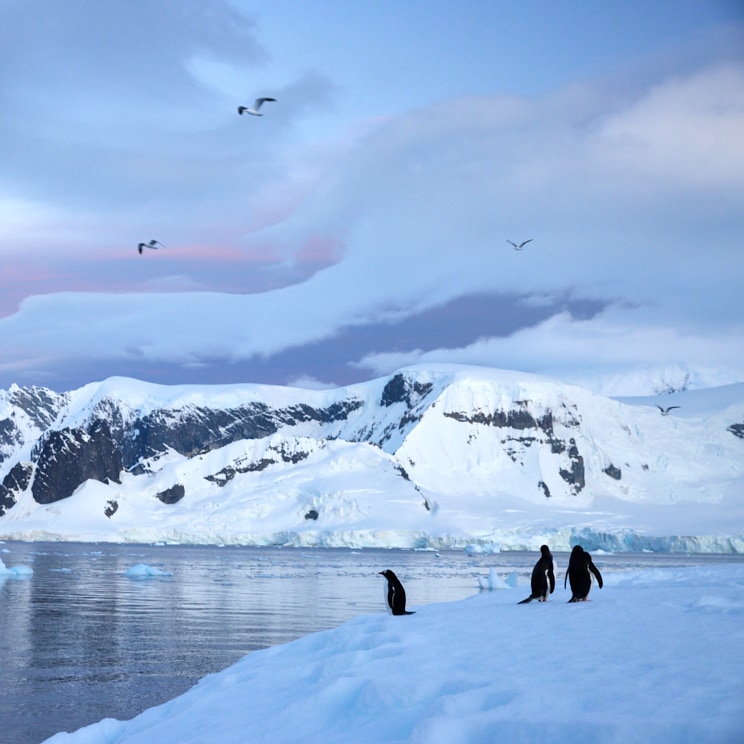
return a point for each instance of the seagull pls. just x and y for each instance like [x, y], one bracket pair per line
[152, 244]
[665, 411]
[521, 245]
[256, 106]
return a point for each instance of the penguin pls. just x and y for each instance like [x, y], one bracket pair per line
[543, 577]
[395, 596]
[579, 574]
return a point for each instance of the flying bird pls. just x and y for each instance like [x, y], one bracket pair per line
[152, 244]
[521, 245]
[256, 106]
[665, 411]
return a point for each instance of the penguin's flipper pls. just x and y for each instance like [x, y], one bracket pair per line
[595, 571]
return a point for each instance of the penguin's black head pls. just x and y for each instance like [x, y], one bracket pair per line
[545, 550]
[577, 551]
[388, 574]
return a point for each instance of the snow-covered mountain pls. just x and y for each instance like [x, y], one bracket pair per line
[436, 456]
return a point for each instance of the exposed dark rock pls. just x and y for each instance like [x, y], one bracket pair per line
[613, 472]
[67, 458]
[520, 419]
[575, 476]
[400, 389]
[10, 437]
[284, 452]
[312, 514]
[224, 476]
[402, 472]
[737, 430]
[111, 508]
[42, 406]
[14, 483]
[544, 488]
[290, 455]
[556, 445]
[172, 495]
[194, 430]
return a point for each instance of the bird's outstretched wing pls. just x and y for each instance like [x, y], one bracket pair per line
[151, 244]
[254, 111]
[665, 411]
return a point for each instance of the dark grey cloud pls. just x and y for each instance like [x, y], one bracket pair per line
[452, 325]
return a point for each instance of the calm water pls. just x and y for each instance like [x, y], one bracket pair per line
[80, 641]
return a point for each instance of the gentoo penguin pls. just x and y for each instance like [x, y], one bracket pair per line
[395, 597]
[579, 574]
[543, 577]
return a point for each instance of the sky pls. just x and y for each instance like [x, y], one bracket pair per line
[361, 224]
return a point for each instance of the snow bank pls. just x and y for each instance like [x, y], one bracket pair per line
[656, 656]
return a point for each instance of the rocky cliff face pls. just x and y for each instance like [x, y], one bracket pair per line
[114, 438]
[66, 458]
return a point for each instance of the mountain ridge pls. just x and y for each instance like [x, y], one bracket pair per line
[430, 456]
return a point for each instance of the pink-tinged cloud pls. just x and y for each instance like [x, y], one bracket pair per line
[320, 249]
[251, 267]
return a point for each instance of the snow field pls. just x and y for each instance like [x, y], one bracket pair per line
[655, 656]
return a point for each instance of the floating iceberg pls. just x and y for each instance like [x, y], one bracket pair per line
[143, 571]
[16, 572]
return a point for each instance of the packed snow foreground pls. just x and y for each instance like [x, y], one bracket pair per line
[437, 456]
[656, 656]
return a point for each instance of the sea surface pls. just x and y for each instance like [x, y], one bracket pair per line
[80, 640]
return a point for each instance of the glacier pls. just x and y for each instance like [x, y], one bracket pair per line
[432, 456]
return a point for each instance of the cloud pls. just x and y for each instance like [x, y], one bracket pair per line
[120, 121]
[424, 203]
[612, 185]
[615, 353]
